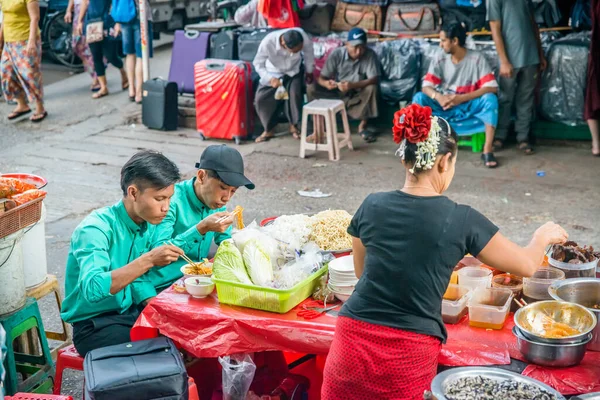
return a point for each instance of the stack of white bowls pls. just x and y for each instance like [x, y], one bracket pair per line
[342, 278]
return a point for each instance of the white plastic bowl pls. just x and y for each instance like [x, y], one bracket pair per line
[199, 287]
[185, 276]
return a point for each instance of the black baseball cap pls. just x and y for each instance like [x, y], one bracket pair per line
[227, 163]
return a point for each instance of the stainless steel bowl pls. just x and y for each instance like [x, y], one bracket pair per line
[551, 355]
[529, 319]
[588, 396]
[442, 380]
[582, 291]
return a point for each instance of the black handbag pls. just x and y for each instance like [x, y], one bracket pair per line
[316, 18]
[248, 42]
[146, 370]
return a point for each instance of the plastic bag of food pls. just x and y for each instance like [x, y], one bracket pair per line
[238, 373]
[281, 93]
[28, 196]
[229, 264]
[258, 263]
[302, 267]
[12, 186]
[252, 231]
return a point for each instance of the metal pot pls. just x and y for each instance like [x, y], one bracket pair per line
[529, 320]
[551, 355]
[582, 291]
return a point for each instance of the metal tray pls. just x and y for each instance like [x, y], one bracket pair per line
[589, 396]
[441, 381]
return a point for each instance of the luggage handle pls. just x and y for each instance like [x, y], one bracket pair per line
[365, 12]
[215, 66]
[192, 34]
[134, 348]
[421, 16]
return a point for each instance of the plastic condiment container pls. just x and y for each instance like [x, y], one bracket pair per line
[474, 277]
[536, 287]
[511, 282]
[587, 270]
[454, 304]
[488, 307]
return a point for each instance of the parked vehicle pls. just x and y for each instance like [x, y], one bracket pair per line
[56, 33]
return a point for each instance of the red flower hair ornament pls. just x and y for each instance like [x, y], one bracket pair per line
[412, 123]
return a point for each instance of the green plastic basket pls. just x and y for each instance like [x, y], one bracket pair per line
[267, 299]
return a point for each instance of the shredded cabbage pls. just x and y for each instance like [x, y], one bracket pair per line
[258, 263]
[229, 264]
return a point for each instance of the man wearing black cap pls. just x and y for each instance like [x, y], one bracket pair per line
[194, 222]
[279, 63]
[351, 73]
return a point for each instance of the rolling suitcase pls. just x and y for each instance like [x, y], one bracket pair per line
[224, 99]
[159, 104]
[189, 47]
[146, 370]
[223, 45]
[248, 42]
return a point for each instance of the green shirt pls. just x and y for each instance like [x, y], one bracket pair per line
[104, 241]
[179, 228]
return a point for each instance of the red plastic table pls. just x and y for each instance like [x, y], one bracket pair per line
[205, 328]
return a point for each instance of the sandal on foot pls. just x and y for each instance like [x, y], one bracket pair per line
[489, 158]
[17, 114]
[264, 138]
[367, 136]
[526, 148]
[125, 85]
[38, 117]
[99, 95]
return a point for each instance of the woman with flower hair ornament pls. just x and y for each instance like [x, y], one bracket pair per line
[406, 244]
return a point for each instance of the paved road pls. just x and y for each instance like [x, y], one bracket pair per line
[83, 144]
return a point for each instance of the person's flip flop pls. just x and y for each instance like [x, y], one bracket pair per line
[99, 95]
[17, 114]
[263, 138]
[526, 148]
[489, 158]
[95, 89]
[368, 136]
[40, 117]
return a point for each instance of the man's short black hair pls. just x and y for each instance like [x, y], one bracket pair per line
[455, 30]
[149, 169]
[292, 39]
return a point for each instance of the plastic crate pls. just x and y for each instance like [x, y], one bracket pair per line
[21, 217]
[267, 299]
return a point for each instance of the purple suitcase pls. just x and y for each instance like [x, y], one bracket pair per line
[189, 48]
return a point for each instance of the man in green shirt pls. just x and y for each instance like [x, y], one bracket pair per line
[195, 219]
[105, 283]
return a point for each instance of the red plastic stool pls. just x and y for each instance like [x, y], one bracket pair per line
[31, 396]
[193, 390]
[67, 358]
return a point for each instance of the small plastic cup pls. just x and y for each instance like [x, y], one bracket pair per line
[475, 277]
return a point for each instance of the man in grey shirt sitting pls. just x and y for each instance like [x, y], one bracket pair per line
[517, 40]
[281, 60]
[351, 73]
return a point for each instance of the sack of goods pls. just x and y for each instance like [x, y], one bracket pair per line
[401, 65]
[145, 370]
[470, 13]
[563, 85]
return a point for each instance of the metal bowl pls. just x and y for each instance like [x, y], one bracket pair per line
[529, 320]
[442, 380]
[551, 355]
[582, 291]
[588, 396]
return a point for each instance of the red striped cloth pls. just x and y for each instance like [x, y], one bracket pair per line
[368, 361]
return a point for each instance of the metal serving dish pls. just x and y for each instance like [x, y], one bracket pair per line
[551, 355]
[588, 396]
[582, 291]
[529, 319]
[442, 380]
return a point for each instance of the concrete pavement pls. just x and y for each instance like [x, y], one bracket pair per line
[84, 142]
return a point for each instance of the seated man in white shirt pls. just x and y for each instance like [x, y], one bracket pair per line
[279, 63]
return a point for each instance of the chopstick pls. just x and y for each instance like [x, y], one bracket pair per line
[233, 214]
[547, 318]
[186, 258]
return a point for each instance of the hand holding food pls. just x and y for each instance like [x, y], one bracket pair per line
[163, 255]
[217, 222]
[551, 233]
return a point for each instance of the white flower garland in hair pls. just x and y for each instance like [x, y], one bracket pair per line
[426, 150]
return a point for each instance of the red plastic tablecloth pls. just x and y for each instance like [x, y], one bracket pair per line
[205, 328]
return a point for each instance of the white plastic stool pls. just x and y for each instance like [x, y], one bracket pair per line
[327, 110]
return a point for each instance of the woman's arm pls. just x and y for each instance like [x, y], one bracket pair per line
[33, 9]
[502, 254]
[359, 251]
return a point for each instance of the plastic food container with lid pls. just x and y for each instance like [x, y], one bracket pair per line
[536, 287]
[488, 307]
[587, 270]
[454, 304]
[512, 282]
[475, 277]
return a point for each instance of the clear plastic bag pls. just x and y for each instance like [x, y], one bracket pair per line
[281, 93]
[238, 373]
[311, 260]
